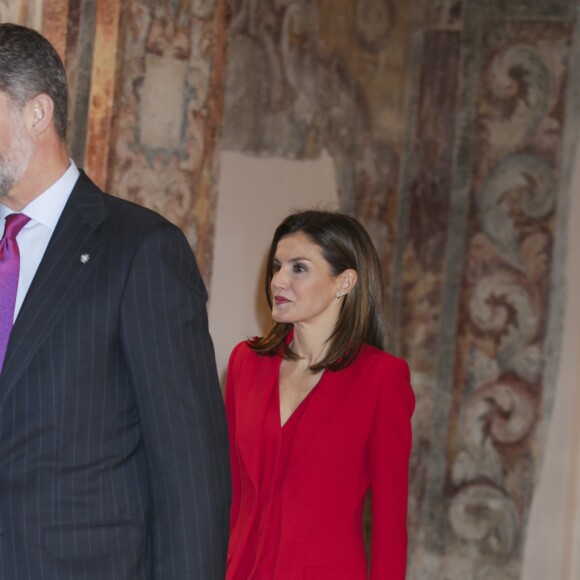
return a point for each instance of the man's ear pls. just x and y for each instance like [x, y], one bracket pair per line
[39, 113]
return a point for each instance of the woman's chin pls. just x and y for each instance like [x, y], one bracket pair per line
[281, 318]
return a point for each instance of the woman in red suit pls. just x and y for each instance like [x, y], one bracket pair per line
[318, 413]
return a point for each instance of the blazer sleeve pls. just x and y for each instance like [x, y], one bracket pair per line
[390, 448]
[171, 366]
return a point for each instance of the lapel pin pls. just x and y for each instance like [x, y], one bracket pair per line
[85, 258]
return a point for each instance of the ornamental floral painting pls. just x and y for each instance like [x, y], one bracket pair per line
[446, 121]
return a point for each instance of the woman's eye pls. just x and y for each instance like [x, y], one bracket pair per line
[275, 266]
[299, 267]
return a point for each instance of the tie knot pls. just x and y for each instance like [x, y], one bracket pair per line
[14, 223]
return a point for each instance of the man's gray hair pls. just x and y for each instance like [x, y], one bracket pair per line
[29, 66]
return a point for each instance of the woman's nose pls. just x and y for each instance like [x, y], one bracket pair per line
[279, 279]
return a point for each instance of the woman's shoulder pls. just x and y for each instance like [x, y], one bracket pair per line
[241, 351]
[238, 364]
[243, 354]
[389, 373]
[381, 360]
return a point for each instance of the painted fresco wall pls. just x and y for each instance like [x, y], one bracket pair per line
[491, 322]
[449, 123]
[450, 126]
[146, 99]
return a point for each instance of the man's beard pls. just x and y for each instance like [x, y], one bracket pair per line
[15, 159]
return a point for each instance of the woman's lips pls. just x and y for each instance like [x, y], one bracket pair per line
[280, 300]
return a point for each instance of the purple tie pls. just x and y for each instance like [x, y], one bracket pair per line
[9, 270]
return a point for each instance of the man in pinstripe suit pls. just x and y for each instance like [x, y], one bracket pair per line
[113, 453]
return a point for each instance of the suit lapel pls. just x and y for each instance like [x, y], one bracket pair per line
[71, 255]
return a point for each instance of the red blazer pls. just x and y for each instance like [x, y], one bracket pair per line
[356, 436]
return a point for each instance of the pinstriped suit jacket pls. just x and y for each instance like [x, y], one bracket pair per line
[113, 444]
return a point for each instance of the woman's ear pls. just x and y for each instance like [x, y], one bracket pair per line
[346, 281]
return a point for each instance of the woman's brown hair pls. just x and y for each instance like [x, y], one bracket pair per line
[345, 244]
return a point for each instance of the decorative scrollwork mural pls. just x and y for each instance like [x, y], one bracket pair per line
[302, 79]
[446, 123]
[168, 112]
[485, 455]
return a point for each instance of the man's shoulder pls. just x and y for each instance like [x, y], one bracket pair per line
[119, 209]
[132, 211]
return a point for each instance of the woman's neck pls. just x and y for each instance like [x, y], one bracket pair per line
[310, 344]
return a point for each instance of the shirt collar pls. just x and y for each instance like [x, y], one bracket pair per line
[47, 207]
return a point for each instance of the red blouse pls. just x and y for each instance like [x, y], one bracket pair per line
[258, 560]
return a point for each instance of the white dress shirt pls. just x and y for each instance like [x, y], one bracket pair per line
[44, 212]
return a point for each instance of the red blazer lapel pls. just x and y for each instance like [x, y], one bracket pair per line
[258, 378]
[333, 391]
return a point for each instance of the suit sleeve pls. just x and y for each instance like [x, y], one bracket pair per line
[390, 447]
[171, 364]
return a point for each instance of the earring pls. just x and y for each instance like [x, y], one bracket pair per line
[339, 295]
